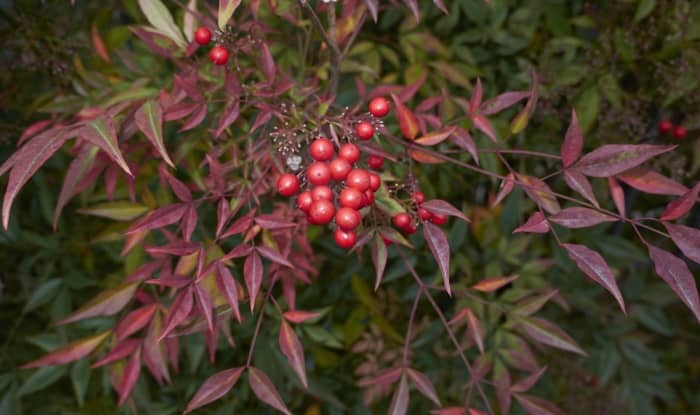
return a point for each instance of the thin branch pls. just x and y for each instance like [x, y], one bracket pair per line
[329, 39]
[409, 329]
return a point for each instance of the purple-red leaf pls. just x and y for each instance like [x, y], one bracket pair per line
[507, 186]
[164, 216]
[176, 248]
[69, 353]
[437, 242]
[484, 125]
[229, 116]
[77, 170]
[399, 402]
[593, 265]
[379, 258]
[229, 289]
[204, 303]
[580, 217]
[155, 352]
[539, 192]
[130, 375]
[573, 142]
[523, 118]
[544, 332]
[106, 303]
[687, 239]
[580, 184]
[384, 377]
[179, 188]
[526, 383]
[424, 385]
[444, 208]
[149, 119]
[536, 223]
[674, 271]
[253, 274]
[267, 64]
[537, 406]
[408, 123]
[102, 133]
[503, 101]
[493, 284]
[464, 140]
[618, 195]
[240, 225]
[293, 351]
[681, 206]
[477, 96]
[300, 316]
[265, 391]
[273, 255]
[648, 181]
[612, 159]
[214, 388]
[179, 310]
[273, 222]
[435, 137]
[120, 351]
[134, 321]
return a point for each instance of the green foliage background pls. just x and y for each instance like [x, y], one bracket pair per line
[623, 65]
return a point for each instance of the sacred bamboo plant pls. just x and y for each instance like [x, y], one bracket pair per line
[252, 153]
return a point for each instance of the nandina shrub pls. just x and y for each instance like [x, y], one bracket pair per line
[237, 137]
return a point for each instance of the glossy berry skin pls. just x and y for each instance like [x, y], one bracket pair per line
[375, 162]
[418, 197]
[347, 218]
[321, 212]
[369, 197]
[374, 182]
[339, 168]
[364, 130]
[665, 126]
[202, 36]
[424, 214]
[351, 198]
[387, 241]
[679, 132]
[401, 220]
[321, 193]
[345, 239]
[322, 149]
[318, 173]
[439, 219]
[218, 55]
[379, 107]
[287, 185]
[411, 228]
[304, 201]
[358, 179]
[349, 152]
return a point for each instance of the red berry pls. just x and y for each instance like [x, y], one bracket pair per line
[287, 184]
[411, 228]
[439, 219]
[321, 212]
[359, 179]
[364, 130]
[345, 239]
[424, 214]
[679, 132]
[218, 55]
[401, 220]
[379, 107]
[304, 201]
[202, 36]
[339, 168]
[418, 197]
[321, 193]
[347, 218]
[665, 126]
[369, 197]
[318, 173]
[322, 149]
[349, 152]
[387, 241]
[375, 162]
[352, 198]
[374, 182]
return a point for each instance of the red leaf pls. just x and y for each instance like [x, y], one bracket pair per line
[120, 351]
[435, 137]
[205, 305]
[240, 225]
[273, 222]
[106, 303]
[573, 142]
[300, 316]
[539, 192]
[176, 248]
[424, 385]
[379, 258]
[195, 119]
[579, 183]
[164, 216]
[399, 402]
[537, 406]
[506, 187]
[130, 375]
[68, 353]
[134, 321]
[681, 206]
[535, 224]
[687, 239]
[385, 377]
[149, 119]
[493, 284]
[464, 140]
[425, 157]
[77, 170]
[214, 388]
[647, 180]
[223, 211]
[525, 384]
[442, 207]
[155, 352]
[593, 265]
[503, 101]
[238, 252]
[253, 273]
[265, 391]
[179, 310]
[612, 159]
[484, 125]
[267, 63]
[227, 286]
[179, 188]
[273, 255]
[547, 333]
[229, 116]
[102, 133]
[189, 221]
[33, 130]
[410, 90]
[523, 118]
[437, 242]
[408, 123]
[618, 195]
[293, 351]
[580, 217]
[674, 271]
[477, 96]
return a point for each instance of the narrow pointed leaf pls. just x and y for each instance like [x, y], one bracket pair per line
[493, 284]
[523, 118]
[647, 180]
[263, 388]
[477, 96]
[384, 377]
[484, 125]
[130, 376]
[159, 16]
[215, 387]
[444, 208]
[164, 216]
[77, 170]
[507, 186]
[273, 222]
[503, 101]
[681, 206]
[539, 192]
[120, 351]
[274, 256]
[674, 271]
[379, 258]
[593, 265]
[69, 353]
[580, 217]
[437, 242]
[301, 316]
[464, 140]
[687, 239]
[399, 402]
[547, 333]
[435, 137]
[573, 142]
[580, 184]
[408, 123]
[424, 385]
[106, 303]
[536, 223]
[102, 133]
[425, 157]
[526, 383]
[119, 211]
[227, 287]
[373, 7]
[293, 351]
[179, 310]
[475, 330]
[226, 9]
[134, 321]
[537, 406]
[205, 305]
[253, 274]
[618, 195]
[612, 159]
[149, 119]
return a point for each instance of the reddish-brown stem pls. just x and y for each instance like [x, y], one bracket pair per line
[409, 329]
[258, 325]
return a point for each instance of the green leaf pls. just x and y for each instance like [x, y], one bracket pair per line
[43, 294]
[80, 378]
[226, 9]
[42, 378]
[121, 211]
[587, 107]
[149, 119]
[644, 8]
[159, 16]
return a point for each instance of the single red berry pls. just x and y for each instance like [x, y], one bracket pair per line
[375, 162]
[387, 241]
[322, 149]
[287, 184]
[339, 168]
[401, 220]
[349, 152]
[411, 228]
[418, 197]
[439, 219]
[364, 130]
[665, 126]
[321, 212]
[359, 179]
[424, 214]
[345, 239]
[379, 107]
[218, 55]
[374, 182]
[202, 36]
[304, 201]
[679, 132]
[369, 197]
[318, 173]
[352, 198]
[347, 218]
[321, 193]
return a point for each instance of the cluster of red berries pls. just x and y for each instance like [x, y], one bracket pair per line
[405, 223]
[218, 55]
[678, 131]
[355, 186]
